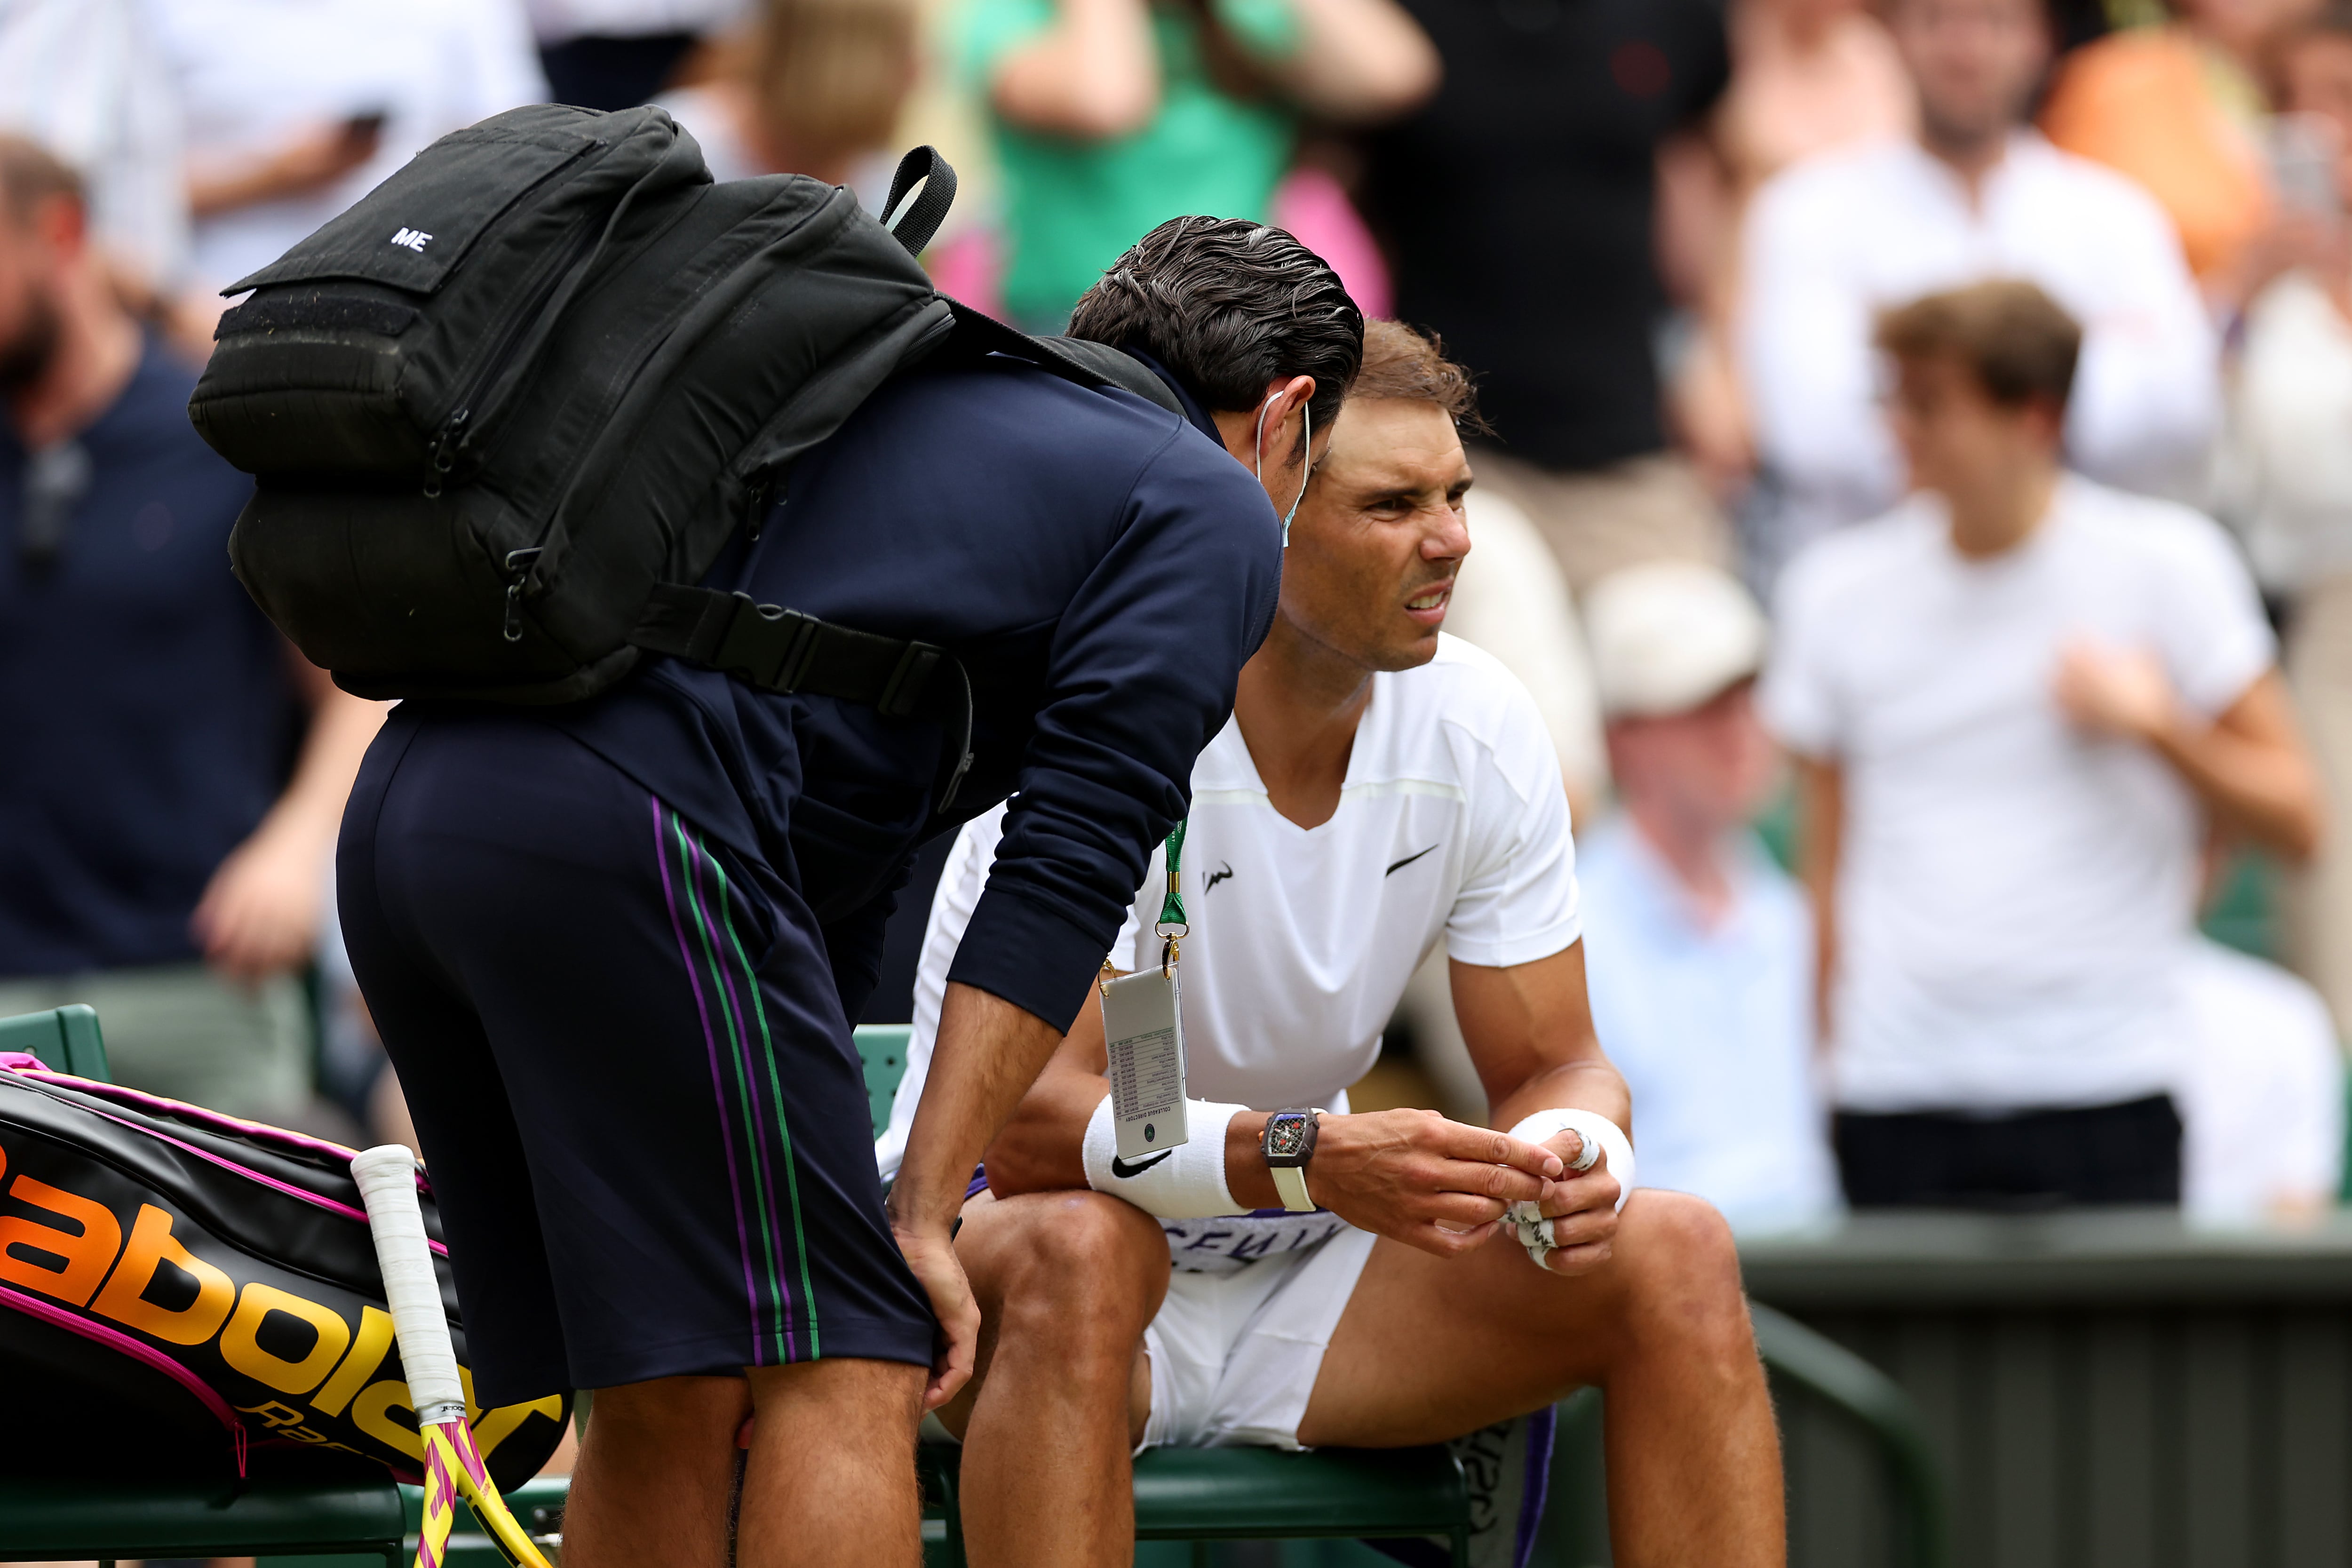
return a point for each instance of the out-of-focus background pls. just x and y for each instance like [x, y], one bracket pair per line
[2018, 1069]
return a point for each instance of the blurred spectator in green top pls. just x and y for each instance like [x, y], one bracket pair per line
[1112, 115]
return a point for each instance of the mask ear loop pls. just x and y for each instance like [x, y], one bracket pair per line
[1306, 418]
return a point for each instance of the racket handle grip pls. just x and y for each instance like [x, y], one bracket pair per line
[387, 1180]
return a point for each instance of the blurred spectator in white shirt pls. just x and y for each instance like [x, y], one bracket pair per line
[1807, 77]
[298, 107]
[1838, 237]
[82, 78]
[616, 54]
[1698, 949]
[2262, 1093]
[2018, 702]
[2286, 474]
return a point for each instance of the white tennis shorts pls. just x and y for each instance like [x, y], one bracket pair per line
[1235, 1356]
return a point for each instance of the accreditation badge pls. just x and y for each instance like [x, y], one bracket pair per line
[1144, 1024]
[1143, 1030]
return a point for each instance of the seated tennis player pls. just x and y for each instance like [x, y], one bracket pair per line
[1347, 1278]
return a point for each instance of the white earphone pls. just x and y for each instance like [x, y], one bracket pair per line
[1306, 413]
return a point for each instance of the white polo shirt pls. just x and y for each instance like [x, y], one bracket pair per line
[1840, 236]
[1451, 823]
[2014, 895]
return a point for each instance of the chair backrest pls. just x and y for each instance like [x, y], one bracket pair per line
[883, 1048]
[66, 1040]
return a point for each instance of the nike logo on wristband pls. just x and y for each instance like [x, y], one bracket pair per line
[1122, 1170]
[1401, 865]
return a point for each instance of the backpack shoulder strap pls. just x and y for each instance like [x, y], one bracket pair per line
[1087, 363]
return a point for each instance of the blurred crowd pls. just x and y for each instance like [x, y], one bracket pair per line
[1914, 477]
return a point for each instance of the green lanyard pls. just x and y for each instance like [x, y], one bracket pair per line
[1172, 924]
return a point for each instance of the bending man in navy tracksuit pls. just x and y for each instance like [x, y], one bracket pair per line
[614, 949]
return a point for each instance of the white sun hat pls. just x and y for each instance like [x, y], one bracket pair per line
[1669, 636]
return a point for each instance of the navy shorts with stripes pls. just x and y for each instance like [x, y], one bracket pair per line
[632, 1078]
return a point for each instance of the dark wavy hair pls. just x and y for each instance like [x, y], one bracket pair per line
[1228, 306]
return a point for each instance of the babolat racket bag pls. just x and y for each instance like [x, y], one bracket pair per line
[507, 410]
[185, 1294]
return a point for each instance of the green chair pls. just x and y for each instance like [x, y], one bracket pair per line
[46, 1520]
[64, 1038]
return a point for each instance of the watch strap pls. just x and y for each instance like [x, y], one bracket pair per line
[1290, 1181]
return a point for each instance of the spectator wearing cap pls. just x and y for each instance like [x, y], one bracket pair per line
[1838, 237]
[166, 813]
[1699, 950]
[2020, 701]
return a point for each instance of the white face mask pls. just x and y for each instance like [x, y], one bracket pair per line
[1306, 413]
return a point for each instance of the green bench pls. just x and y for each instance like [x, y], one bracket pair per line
[1180, 1495]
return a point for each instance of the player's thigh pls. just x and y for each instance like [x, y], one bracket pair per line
[1429, 1348]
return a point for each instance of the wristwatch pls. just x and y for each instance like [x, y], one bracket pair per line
[1289, 1144]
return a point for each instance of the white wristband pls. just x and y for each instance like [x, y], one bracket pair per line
[1187, 1182]
[1601, 1139]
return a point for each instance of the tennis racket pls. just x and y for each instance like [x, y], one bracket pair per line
[453, 1464]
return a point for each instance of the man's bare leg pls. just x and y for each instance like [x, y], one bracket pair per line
[831, 1478]
[1066, 1282]
[656, 1466]
[1429, 1349]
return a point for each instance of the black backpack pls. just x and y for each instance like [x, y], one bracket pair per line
[506, 411]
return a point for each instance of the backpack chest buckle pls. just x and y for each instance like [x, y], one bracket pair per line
[767, 645]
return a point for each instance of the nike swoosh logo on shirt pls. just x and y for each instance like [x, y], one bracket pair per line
[1122, 1170]
[1408, 860]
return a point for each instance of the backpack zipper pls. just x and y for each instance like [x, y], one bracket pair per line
[519, 564]
[449, 440]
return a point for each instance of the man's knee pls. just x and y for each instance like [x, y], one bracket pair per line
[1086, 1263]
[1682, 1276]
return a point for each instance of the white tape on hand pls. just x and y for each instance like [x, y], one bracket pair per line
[1187, 1182]
[1601, 1139]
[387, 1182]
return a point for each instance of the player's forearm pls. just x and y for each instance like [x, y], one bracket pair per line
[988, 1054]
[1592, 1085]
[2264, 789]
[1043, 1147]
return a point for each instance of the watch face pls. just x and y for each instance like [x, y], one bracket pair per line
[1287, 1136]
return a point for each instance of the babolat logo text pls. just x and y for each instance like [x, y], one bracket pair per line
[415, 240]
